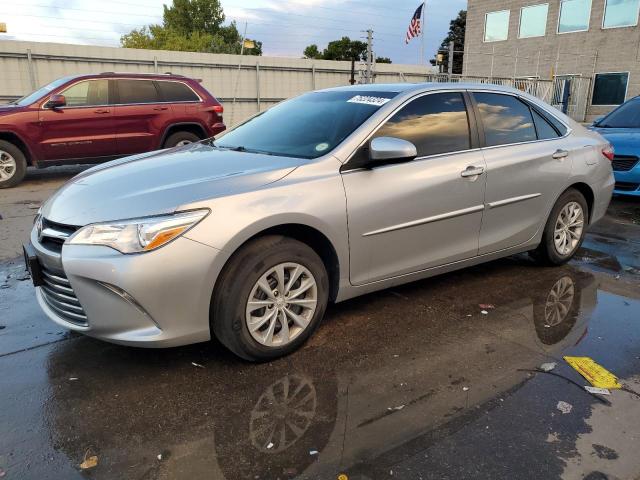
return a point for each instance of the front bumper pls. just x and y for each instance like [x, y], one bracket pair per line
[628, 182]
[155, 299]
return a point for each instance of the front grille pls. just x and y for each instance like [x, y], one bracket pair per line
[54, 234]
[627, 186]
[624, 163]
[59, 295]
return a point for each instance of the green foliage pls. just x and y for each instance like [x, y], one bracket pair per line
[383, 60]
[343, 49]
[312, 52]
[191, 26]
[456, 34]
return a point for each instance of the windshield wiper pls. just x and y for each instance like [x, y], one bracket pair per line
[242, 148]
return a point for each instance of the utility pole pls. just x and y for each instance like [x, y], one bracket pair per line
[451, 52]
[235, 89]
[369, 70]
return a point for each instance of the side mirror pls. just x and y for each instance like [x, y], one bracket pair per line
[391, 150]
[597, 121]
[56, 101]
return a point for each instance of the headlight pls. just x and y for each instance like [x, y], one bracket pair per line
[138, 235]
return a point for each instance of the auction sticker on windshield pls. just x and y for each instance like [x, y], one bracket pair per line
[367, 100]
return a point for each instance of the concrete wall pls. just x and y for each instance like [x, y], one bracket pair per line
[597, 50]
[258, 84]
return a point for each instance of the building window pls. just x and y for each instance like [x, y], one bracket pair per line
[620, 13]
[496, 26]
[574, 16]
[533, 21]
[610, 88]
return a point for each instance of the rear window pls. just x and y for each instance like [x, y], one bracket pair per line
[176, 92]
[505, 119]
[137, 91]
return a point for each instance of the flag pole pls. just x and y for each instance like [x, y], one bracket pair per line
[422, 29]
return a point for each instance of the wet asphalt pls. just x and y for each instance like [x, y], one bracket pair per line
[410, 383]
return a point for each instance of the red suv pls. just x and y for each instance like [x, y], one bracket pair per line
[96, 118]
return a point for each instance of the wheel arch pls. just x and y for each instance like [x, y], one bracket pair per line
[307, 234]
[192, 127]
[587, 193]
[16, 140]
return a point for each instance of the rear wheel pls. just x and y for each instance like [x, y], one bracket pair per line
[270, 298]
[179, 139]
[564, 231]
[13, 165]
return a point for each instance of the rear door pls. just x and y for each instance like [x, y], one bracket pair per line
[412, 216]
[140, 116]
[84, 128]
[527, 167]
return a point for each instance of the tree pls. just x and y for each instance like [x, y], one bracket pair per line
[456, 34]
[312, 52]
[383, 60]
[343, 49]
[193, 26]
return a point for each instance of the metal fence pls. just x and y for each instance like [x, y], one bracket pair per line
[245, 85]
[567, 93]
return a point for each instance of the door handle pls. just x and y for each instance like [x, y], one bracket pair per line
[560, 154]
[101, 110]
[472, 171]
[161, 108]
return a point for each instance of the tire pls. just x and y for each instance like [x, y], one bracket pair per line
[547, 252]
[13, 165]
[177, 138]
[230, 316]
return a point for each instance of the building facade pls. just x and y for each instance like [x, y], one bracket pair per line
[590, 44]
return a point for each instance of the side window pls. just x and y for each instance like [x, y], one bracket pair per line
[543, 127]
[176, 92]
[87, 94]
[505, 119]
[435, 123]
[137, 91]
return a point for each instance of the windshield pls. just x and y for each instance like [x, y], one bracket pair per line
[41, 92]
[625, 116]
[307, 126]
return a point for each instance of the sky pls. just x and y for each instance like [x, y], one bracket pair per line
[285, 27]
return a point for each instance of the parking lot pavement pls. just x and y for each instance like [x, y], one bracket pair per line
[410, 383]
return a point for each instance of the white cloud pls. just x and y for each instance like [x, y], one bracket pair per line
[285, 26]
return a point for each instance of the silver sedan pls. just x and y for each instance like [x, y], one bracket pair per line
[327, 196]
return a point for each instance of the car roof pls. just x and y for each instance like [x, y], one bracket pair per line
[425, 86]
[151, 76]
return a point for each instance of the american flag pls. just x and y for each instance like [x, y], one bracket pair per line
[415, 25]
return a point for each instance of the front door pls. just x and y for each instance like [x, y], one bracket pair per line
[83, 128]
[408, 217]
[527, 167]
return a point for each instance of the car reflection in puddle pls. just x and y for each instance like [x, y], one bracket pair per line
[385, 370]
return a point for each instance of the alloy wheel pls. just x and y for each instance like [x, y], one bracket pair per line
[568, 228]
[283, 414]
[559, 302]
[8, 166]
[281, 304]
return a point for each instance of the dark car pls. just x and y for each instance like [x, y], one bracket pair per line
[96, 118]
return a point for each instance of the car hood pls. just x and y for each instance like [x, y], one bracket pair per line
[624, 140]
[160, 182]
[9, 108]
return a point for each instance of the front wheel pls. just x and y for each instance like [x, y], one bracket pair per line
[13, 165]
[270, 298]
[565, 229]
